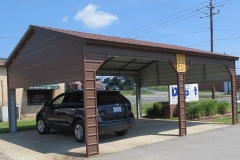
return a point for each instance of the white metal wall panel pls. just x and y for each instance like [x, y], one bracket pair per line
[166, 74]
[148, 76]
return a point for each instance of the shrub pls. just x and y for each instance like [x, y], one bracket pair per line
[223, 107]
[155, 111]
[194, 110]
[209, 107]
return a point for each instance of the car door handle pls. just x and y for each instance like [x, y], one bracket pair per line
[72, 109]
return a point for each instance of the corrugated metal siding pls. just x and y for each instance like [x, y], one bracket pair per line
[114, 51]
[166, 73]
[158, 73]
[215, 73]
[148, 76]
[45, 60]
[197, 73]
[208, 60]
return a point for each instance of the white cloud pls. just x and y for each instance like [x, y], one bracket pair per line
[65, 19]
[93, 18]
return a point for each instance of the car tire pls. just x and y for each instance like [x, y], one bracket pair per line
[122, 133]
[79, 131]
[42, 126]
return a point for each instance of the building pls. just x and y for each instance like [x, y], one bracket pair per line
[220, 86]
[28, 100]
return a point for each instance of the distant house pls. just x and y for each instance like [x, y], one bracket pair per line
[220, 86]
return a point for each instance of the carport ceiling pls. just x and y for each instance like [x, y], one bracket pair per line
[49, 55]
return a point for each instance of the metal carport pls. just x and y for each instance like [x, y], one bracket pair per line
[49, 55]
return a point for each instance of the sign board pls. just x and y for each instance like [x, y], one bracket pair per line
[44, 87]
[38, 96]
[191, 93]
[181, 67]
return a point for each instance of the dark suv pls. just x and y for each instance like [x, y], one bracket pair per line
[66, 112]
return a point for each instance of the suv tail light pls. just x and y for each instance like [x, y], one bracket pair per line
[128, 105]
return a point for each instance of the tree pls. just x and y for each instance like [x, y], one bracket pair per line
[128, 82]
[121, 86]
[106, 80]
[107, 87]
[115, 81]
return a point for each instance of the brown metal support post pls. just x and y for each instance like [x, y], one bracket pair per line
[181, 105]
[181, 101]
[90, 110]
[138, 98]
[232, 73]
[90, 67]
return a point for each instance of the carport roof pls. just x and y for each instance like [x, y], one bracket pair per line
[96, 38]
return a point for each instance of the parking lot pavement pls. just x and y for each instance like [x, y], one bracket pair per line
[218, 144]
[57, 145]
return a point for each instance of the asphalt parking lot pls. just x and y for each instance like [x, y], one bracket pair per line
[58, 145]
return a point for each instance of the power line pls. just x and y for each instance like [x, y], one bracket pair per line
[165, 25]
[9, 37]
[220, 39]
[227, 4]
[176, 34]
[165, 4]
[149, 25]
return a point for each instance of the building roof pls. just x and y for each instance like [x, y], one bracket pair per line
[2, 61]
[91, 36]
[96, 38]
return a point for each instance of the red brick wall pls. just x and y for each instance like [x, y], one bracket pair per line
[219, 86]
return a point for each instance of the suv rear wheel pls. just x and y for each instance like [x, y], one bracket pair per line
[79, 131]
[122, 133]
[41, 126]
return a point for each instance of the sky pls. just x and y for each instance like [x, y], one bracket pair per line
[183, 23]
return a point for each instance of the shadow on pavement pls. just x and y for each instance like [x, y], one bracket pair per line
[63, 143]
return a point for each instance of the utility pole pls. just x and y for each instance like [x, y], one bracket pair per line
[211, 7]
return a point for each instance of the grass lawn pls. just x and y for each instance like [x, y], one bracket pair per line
[210, 96]
[225, 119]
[132, 92]
[158, 88]
[21, 125]
[144, 106]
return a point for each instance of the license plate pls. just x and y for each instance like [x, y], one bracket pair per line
[117, 109]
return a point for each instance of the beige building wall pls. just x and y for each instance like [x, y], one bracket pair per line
[60, 90]
[3, 86]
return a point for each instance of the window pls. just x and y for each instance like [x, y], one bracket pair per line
[37, 97]
[59, 100]
[74, 99]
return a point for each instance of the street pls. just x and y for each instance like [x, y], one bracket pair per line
[163, 97]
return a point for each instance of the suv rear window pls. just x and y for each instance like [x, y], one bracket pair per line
[110, 98]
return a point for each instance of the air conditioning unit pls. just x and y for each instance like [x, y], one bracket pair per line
[4, 113]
